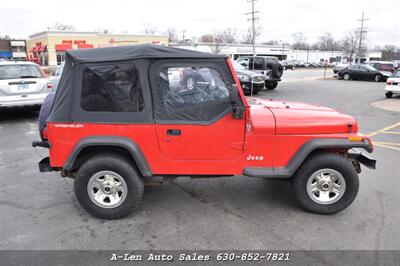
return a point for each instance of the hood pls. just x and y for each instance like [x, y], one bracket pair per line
[386, 73]
[247, 72]
[292, 118]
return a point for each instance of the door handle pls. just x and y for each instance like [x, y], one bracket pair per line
[173, 132]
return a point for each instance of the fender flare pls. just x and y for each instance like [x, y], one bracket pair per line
[122, 142]
[302, 153]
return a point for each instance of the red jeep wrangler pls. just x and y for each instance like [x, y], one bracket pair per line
[123, 114]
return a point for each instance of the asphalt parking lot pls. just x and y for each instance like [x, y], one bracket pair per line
[39, 211]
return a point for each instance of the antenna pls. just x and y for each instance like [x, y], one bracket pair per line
[362, 30]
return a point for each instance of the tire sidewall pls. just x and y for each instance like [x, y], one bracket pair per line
[341, 165]
[118, 165]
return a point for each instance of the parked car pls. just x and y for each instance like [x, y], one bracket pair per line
[115, 122]
[287, 64]
[339, 67]
[363, 72]
[268, 66]
[22, 84]
[56, 75]
[249, 80]
[393, 85]
[383, 66]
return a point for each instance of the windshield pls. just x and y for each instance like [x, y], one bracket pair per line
[370, 68]
[19, 72]
[238, 66]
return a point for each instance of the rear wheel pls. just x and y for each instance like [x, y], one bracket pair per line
[378, 77]
[326, 183]
[271, 85]
[346, 76]
[108, 186]
[389, 94]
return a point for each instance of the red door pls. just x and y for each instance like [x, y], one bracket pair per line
[194, 119]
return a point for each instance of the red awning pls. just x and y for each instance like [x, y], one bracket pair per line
[36, 48]
[63, 47]
[84, 46]
[42, 48]
[32, 48]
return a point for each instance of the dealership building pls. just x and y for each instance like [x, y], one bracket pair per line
[282, 52]
[48, 48]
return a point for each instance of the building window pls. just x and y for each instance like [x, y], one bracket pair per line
[60, 57]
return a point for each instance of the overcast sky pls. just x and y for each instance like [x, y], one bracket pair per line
[278, 18]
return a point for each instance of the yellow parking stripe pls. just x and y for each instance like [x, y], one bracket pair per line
[391, 132]
[388, 147]
[386, 143]
[383, 129]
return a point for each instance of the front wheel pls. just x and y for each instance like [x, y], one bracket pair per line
[389, 94]
[326, 183]
[378, 78]
[108, 186]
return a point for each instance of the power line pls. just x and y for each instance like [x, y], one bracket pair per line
[362, 30]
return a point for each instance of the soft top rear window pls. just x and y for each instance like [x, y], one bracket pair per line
[19, 72]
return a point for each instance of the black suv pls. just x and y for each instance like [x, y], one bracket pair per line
[268, 66]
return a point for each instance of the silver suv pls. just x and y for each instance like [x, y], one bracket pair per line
[22, 84]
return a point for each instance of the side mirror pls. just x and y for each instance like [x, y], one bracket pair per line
[237, 105]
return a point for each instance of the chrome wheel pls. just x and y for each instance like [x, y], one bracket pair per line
[107, 189]
[346, 76]
[190, 83]
[326, 186]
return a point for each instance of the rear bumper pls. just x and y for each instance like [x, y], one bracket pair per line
[28, 100]
[393, 88]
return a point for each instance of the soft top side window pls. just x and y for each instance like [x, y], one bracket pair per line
[111, 88]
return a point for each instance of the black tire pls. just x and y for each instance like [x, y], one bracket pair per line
[346, 76]
[378, 78]
[115, 163]
[271, 85]
[389, 94]
[325, 160]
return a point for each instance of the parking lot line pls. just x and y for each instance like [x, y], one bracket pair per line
[386, 146]
[383, 129]
[386, 143]
[391, 132]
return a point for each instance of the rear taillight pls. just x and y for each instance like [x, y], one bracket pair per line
[49, 86]
[389, 82]
[44, 133]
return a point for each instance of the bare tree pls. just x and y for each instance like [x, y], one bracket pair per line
[389, 52]
[350, 44]
[62, 27]
[172, 36]
[271, 42]
[300, 41]
[5, 37]
[149, 29]
[248, 36]
[326, 42]
[207, 38]
[229, 35]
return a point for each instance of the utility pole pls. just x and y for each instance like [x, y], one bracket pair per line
[253, 27]
[361, 35]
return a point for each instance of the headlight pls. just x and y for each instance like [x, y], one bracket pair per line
[243, 78]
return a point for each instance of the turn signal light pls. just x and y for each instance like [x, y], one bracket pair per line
[355, 139]
[49, 86]
[389, 82]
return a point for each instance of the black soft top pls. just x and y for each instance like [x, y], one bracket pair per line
[66, 105]
[141, 51]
